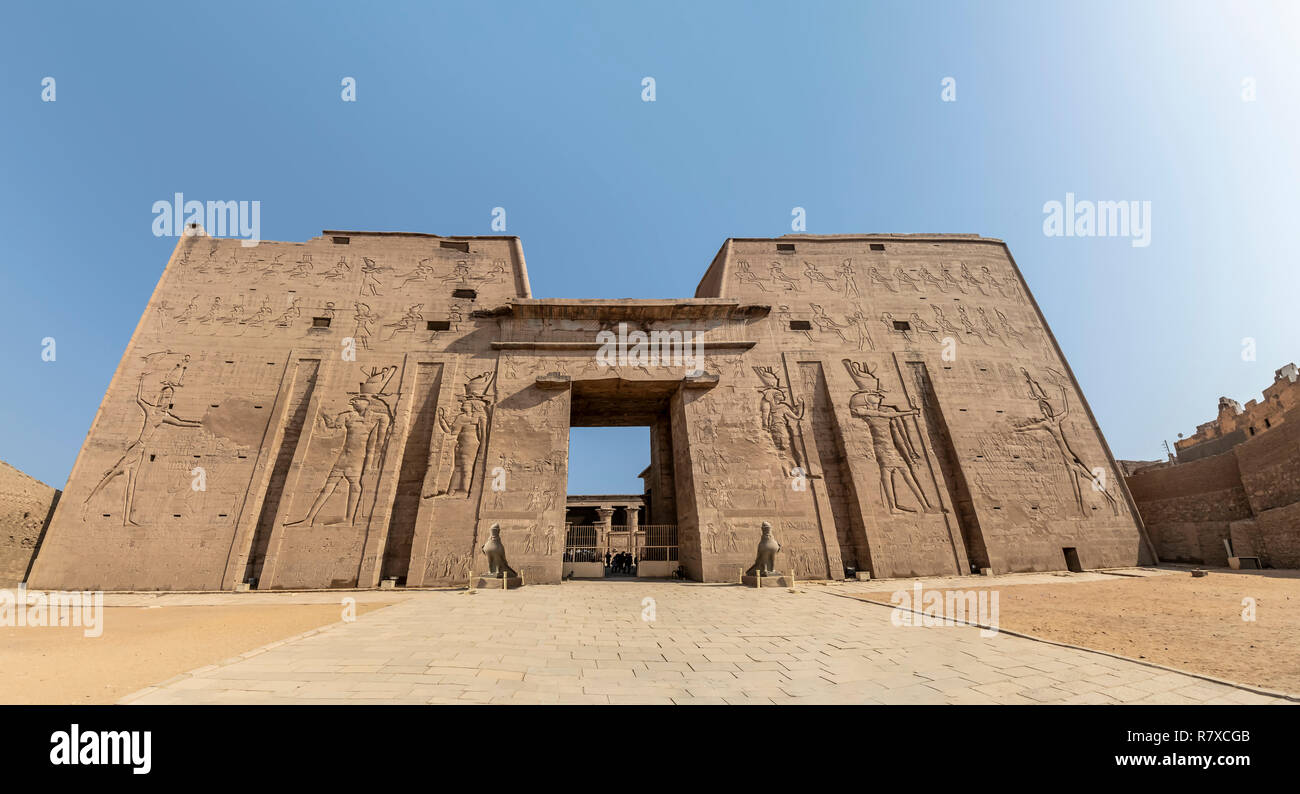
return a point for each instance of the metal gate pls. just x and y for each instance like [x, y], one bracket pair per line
[580, 544]
[659, 543]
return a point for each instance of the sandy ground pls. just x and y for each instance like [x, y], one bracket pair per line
[1194, 624]
[142, 646]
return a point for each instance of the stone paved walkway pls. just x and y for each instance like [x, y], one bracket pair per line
[587, 642]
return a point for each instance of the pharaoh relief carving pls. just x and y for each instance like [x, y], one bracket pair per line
[1052, 423]
[849, 277]
[801, 556]
[466, 433]
[370, 272]
[454, 566]
[409, 321]
[157, 414]
[780, 418]
[339, 271]
[366, 426]
[779, 279]
[816, 277]
[891, 438]
[824, 323]
[745, 275]
[365, 324]
[422, 273]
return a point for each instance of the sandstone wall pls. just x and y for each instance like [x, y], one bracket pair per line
[25, 505]
[1000, 442]
[232, 412]
[367, 405]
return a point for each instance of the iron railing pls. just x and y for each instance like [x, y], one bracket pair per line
[580, 544]
[659, 542]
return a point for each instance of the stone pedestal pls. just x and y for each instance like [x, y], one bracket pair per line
[489, 582]
[777, 580]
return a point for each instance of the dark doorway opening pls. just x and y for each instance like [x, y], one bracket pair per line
[1072, 559]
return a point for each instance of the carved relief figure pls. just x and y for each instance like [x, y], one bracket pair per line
[775, 272]
[893, 325]
[496, 275]
[825, 323]
[787, 319]
[184, 317]
[1050, 422]
[303, 268]
[459, 274]
[966, 323]
[290, 314]
[365, 319]
[340, 270]
[816, 277]
[234, 317]
[924, 327]
[778, 416]
[408, 322]
[890, 439]
[1008, 329]
[211, 314]
[845, 272]
[259, 317]
[469, 429]
[423, 271]
[946, 326]
[989, 330]
[370, 276]
[733, 539]
[801, 557]
[950, 280]
[931, 279]
[156, 414]
[906, 278]
[539, 498]
[365, 425]
[879, 278]
[746, 276]
[970, 279]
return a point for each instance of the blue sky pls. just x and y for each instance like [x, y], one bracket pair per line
[760, 107]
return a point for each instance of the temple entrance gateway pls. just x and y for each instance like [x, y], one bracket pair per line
[807, 383]
[629, 534]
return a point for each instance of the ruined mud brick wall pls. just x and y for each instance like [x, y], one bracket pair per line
[1270, 475]
[25, 505]
[1249, 494]
[1188, 508]
[1236, 424]
[367, 405]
